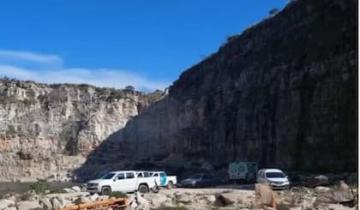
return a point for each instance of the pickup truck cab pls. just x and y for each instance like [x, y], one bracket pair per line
[122, 181]
[163, 180]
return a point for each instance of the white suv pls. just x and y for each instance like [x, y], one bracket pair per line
[123, 181]
[274, 177]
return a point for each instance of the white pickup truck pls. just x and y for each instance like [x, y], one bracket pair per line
[163, 180]
[123, 181]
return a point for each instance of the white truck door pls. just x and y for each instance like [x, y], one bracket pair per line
[157, 178]
[130, 182]
[163, 179]
[119, 183]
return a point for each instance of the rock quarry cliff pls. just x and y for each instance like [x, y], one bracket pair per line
[46, 131]
[282, 93]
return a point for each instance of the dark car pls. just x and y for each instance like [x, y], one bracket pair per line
[200, 180]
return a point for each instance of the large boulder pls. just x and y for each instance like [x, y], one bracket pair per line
[4, 203]
[341, 194]
[28, 205]
[320, 180]
[264, 196]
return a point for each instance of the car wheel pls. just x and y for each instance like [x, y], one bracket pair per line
[143, 188]
[105, 190]
[170, 185]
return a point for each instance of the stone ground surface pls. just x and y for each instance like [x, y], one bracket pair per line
[336, 197]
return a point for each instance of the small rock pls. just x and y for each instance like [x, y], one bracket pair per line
[343, 185]
[221, 200]
[321, 189]
[295, 208]
[64, 201]
[211, 198]
[28, 205]
[103, 197]
[76, 189]
[94, 197]
[56, 203]
[68, 190]
[182, 198]
[82, 199]
[45, 202]
[133, 204]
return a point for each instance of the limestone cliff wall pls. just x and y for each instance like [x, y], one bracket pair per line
[48, 130]
[283, 93]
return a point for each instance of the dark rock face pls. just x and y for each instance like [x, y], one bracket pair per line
[283, 93]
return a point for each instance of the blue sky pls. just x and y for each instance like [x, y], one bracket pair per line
[114, 43]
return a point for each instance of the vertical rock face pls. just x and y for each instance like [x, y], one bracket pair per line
[47, 130]
[283, 93]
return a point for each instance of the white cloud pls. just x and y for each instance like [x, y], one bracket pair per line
[30, 56]
[102, 77]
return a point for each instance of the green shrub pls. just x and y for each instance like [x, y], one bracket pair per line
[40, 187]
[56, 190]
[118, 195]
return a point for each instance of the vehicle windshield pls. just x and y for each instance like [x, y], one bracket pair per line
[275, 175]
[196, 176]
[108, 176]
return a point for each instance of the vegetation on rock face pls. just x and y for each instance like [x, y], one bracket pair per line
[130, 88]
[43, 187]
[40, 187]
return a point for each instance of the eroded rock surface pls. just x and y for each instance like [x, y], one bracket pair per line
[47, 130]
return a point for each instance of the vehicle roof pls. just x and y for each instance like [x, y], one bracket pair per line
[125, 171]
[271, 170]
[156, 171]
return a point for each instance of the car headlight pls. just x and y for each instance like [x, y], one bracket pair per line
[193, 182]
